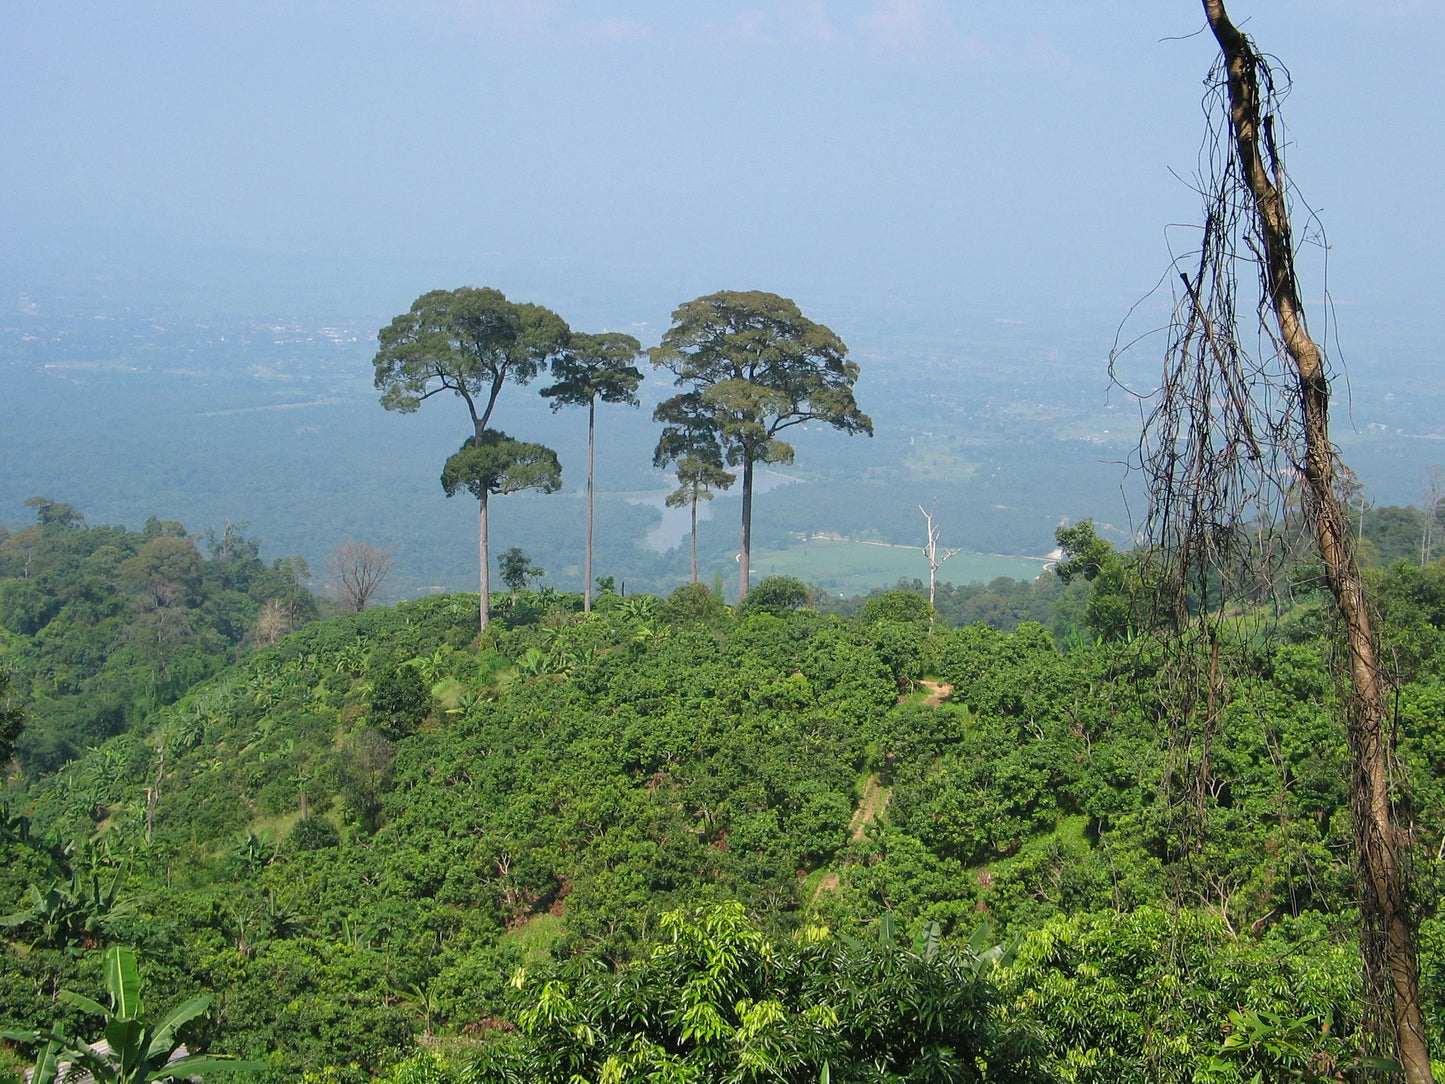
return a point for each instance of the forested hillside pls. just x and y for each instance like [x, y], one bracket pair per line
[100, 626]
[894, 845]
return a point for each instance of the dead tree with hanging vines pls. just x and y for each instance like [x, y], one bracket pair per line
[1240, 469]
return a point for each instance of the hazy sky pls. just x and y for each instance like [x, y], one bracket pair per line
[958, 153]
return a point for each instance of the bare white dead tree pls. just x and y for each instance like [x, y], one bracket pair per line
[356, 570]
[932, 553]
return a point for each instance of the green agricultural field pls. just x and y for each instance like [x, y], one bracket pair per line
[852, 568]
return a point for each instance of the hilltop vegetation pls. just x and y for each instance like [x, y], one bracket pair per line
[382, 826]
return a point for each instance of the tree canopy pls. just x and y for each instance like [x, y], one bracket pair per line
[471, 342]
[467, 341]
[594, 368]
[12, 720]
[496, 464]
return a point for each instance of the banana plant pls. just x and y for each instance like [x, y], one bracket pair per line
[643, 608]
[74, 913]
[129, 1052]
[433, 667]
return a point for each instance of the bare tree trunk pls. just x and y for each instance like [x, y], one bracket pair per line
[694, 537]
[745, 552]
[485, 587]
[1383, 891]
[591, 457]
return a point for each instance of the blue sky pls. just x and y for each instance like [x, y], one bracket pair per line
[1005, 155]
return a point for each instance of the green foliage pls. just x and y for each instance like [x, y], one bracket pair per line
[313, 834]
[1150, 997]
[694, 603]
[900, 606]
[74, 912]
[1085, 553]
[12, 720]
[691, 439]
[472, 343]
[54, 515]
[905, 647]
[1390, 534]
[1117, 609]
[1278, 1048]
[753, 366]
[364, 772]
[1001, 604]
[106, 625]
[760, 366]
[595, 367]
[579, 776]
[900, 626]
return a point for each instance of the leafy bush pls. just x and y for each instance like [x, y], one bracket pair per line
[313, 834]
[400, 701]
[776, 595]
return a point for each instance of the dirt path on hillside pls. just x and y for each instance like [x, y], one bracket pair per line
[871, 806]
[938, 692]
[874, 802]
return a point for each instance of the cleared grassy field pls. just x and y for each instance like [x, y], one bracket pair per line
[853, 568]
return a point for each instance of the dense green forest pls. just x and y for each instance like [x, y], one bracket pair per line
[677, 840]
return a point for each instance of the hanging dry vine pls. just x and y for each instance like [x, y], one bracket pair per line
[1223, 434]
[1217, 456]
[1240, 470]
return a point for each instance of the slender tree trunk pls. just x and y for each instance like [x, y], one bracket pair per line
[591, 457]
[694, 536]
[153, 793]
[1383, 890]
[745, 552]
[485, 587]
[1431, 500]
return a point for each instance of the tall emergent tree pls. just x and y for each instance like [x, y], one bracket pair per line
[760, 366]
[1228, 431]
[690, 440]
[594, 367]
[495, 464]
[469, 342]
